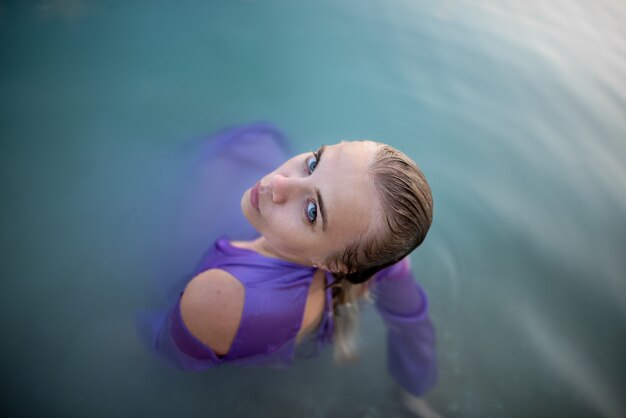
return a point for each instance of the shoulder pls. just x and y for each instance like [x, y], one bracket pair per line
[211, 307]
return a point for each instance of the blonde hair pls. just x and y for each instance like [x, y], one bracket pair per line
[407, 210]
[346, 318]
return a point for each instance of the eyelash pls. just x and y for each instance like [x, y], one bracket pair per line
[308, 202]
[306, 211]
[317, 155]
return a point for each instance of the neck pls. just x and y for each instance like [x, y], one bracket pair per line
[261, 246]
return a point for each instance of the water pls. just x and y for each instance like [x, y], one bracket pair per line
[515, 110]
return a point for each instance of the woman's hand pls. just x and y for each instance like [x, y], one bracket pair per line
[418, 406]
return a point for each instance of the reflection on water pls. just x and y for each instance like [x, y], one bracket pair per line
[516, 111]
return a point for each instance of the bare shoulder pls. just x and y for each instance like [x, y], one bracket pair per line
[211, 307]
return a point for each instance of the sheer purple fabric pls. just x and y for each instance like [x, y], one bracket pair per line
[276, 290]
[403, 305]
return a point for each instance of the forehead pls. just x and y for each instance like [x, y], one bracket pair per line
[347, 188]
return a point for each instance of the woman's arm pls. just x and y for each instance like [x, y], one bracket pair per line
[411, 355]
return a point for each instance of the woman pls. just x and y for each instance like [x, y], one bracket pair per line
[332, 227]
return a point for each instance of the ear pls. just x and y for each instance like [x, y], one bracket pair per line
[319, 264]
[341, 270]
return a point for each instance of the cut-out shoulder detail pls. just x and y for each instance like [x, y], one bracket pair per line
[212, 306]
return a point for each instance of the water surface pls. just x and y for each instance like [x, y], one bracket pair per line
[515, 110]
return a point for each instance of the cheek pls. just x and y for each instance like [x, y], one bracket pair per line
[285, 219]
[286, 228]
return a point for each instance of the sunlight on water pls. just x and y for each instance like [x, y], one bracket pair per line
[559, 353]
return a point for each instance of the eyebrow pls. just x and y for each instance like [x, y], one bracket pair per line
[322, 210]
[319, 153]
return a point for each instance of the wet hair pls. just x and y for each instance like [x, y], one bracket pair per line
[406, 210]
[405, 215]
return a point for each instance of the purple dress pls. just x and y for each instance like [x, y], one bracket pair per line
[276, 290]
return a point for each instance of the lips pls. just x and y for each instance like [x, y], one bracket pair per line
[254, 196]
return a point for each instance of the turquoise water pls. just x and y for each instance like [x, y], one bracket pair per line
[515, 110]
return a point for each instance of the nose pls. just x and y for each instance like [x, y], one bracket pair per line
[282, 187]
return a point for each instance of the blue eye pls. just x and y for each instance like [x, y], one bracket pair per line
[311, 212]
[311, 163]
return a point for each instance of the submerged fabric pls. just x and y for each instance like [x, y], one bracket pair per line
[276, 290]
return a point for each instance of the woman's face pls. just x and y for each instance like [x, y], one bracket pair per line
[315, 203]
